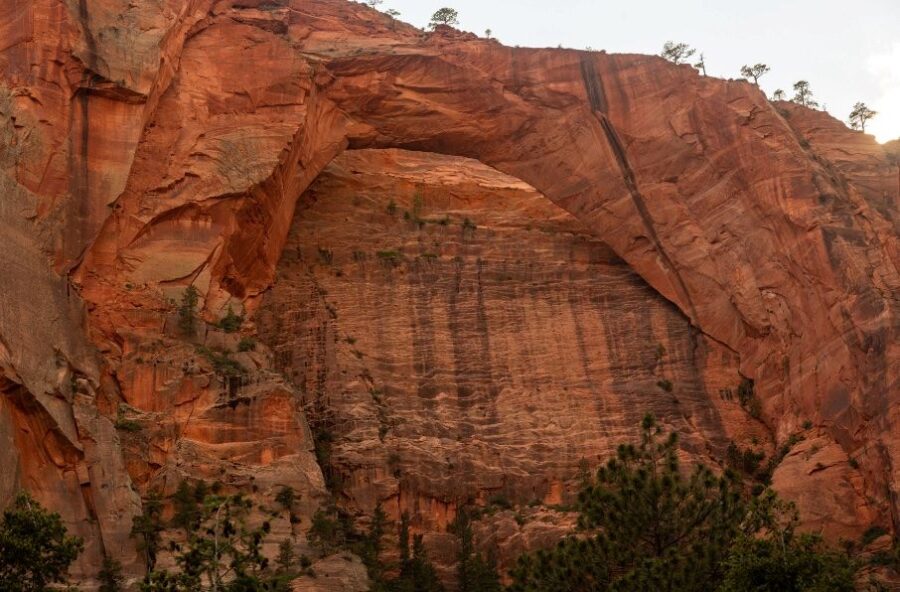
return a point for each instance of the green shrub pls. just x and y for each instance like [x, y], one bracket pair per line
[231, 323]
[128, 425]
[187, 311]
[286, 498]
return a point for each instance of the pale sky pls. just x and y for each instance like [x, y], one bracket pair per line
[848, 50]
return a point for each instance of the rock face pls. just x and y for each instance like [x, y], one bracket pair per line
[465, 338]
[589, 236]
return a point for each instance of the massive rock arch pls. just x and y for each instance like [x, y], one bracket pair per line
[165, 144]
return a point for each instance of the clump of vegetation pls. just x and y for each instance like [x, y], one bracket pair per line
[331, 530]
[747, 398]
[110, 576]
[128, 425]
[148, 527]
[647, 524]
[246, 344]
[326, 256]
[474, 572]
[231, 323]
[468, 225]
[222, 362]
[392, 208]
[35, 548]
[187, 311]
[221, 552]
[286, 498]
[766, 475]
[743, 460]
[665, 385]
[872, 534]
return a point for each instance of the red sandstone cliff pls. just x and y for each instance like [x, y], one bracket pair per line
[629, 222]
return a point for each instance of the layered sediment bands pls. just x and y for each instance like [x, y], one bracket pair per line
[464, 338]
[149, 146]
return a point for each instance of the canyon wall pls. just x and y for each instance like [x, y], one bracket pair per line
[475, 265]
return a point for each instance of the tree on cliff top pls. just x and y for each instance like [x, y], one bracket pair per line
[647, 525]
[860, 115]
[677, 52]
[444, 16]
[803, 95]
[756, 71]
[35, 550]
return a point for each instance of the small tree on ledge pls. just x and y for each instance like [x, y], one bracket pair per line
[803, 94]
[755, 72]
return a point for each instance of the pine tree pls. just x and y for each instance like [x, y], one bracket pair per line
[771, 556]
[803, 94]
[148, 527]
[755, 72]
[369, 549]
[475, 573]
[110, 575]
[677, 52]
[444, 16]
[860, 115]
[35, 549]
[187, 311]
[417, 574]
[647, 525]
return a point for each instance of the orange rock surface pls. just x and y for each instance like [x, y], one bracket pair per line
[634, 223]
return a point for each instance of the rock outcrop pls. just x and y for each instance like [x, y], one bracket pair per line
[589, 236]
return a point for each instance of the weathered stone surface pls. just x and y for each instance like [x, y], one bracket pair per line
[464, 338]
[149, 146]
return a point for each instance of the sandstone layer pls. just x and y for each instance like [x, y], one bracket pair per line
[630, 222]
